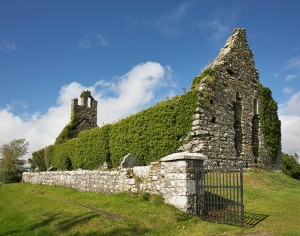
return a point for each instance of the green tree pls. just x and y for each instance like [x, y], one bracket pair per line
[37, 162]
[11, 162]
[296, 157]
[290, 166]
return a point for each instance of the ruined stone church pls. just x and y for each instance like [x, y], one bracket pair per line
[227, 126]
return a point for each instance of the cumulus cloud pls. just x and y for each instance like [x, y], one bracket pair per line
[290, 126]
[127, 94]
[7, 46]
[292, 107]
[289, 114]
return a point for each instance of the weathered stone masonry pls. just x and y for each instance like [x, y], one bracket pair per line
[228, 129]
[173, 178]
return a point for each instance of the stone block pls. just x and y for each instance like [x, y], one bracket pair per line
[141, 171]
[177, 201]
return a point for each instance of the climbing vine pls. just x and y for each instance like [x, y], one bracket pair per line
[270, 123]
[69, 131]
[208, 74]
[150, 135]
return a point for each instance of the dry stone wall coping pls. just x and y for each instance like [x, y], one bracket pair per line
[184, 156]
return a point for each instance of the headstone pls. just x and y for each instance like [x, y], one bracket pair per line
[129, 161]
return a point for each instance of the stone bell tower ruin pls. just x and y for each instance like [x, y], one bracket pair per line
[83, 117]
[86, 112]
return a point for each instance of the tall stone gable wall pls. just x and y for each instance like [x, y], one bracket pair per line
[86, 113]
[228, 130]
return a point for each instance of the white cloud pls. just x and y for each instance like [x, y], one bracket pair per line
[293, 63]
[292, 107]
[219, 29]
[171, 24]
[85, 43]
[7, 46]
[276, 75]
[102, 40]
[290, 77]
[90, 40]
[290, 126]
[289, 114]
[132, 92]
[287, 90]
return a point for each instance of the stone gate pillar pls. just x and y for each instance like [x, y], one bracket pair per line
[180, 179]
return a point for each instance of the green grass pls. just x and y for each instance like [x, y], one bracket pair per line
[272, 206]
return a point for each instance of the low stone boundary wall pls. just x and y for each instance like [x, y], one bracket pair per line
[173, 178]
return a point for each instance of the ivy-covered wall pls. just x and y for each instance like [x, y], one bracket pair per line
[270, 123]
[227, 127]
[150, 135]
[153, 133]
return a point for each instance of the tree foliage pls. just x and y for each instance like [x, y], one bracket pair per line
[11, 162]
[37, 162]
[291, 166]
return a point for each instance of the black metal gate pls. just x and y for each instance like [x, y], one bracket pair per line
[219, 194]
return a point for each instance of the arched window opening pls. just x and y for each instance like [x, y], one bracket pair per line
[238, 138]
[255, 127]
[255, 106]
[89, 102]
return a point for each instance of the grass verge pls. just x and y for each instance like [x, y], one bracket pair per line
[271, 206]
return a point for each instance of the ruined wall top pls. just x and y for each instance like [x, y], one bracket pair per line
[86, 112]
[236, 57]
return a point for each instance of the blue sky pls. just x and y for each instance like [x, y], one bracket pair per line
[132, 54]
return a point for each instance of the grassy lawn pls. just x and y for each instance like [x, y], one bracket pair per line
[272, 207]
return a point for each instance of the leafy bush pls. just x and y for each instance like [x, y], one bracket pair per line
[37, 162]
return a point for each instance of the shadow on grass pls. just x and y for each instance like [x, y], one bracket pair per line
[33, 227]
[136, 230]
[66, 225]
[60, 225]
[252, 219]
